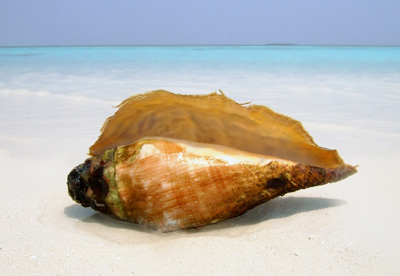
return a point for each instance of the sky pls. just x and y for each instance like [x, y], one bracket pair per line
[199, 22]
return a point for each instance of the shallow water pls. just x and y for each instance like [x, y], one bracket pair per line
[54, 100]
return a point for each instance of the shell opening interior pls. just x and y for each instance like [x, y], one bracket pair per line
[213, 119]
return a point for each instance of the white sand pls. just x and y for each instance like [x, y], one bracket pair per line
[346, 228]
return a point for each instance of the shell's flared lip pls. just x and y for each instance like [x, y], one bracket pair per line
[215, 119]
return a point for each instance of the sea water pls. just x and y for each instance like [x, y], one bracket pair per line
[69, 91]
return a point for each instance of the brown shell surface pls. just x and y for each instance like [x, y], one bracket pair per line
[168, 184]
[213, 119]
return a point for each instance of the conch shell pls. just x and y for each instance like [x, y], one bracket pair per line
[173, 161]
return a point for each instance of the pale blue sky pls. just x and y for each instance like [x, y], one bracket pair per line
[165, 22]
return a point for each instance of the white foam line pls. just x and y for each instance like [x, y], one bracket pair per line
[76, 98]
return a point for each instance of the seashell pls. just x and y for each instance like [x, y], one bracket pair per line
[173, 161]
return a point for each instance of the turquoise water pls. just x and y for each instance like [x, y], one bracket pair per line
[270, 59]
[352, 89]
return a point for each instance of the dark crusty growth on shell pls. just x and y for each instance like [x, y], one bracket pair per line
[77, 183]
[88, 177]
[214, 119]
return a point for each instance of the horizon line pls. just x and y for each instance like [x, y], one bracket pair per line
[202, 45]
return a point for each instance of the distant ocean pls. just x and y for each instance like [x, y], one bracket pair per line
[49, 88]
